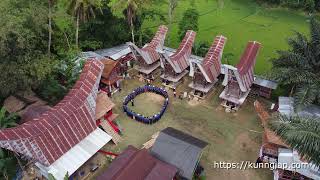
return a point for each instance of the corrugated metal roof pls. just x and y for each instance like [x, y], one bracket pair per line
[91, 54]
[286, 106]
[265, 83]
[289, 157]
[178, 149]
[77, 155]
[311, 110]
[137, 164]
[115, 52]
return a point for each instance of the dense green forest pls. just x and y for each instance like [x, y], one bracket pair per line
[39, 40]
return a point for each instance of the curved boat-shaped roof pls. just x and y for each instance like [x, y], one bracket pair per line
[56, 131]
[180, 59]
[247, 62]
[210, 66]
[149, 51]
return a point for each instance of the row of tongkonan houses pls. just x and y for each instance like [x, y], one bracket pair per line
[175, 64]
[65, 138]
[61, 139]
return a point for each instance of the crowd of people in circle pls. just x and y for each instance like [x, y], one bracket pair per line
[140, 117]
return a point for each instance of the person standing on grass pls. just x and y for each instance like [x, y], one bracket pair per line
[132, 102]
[174, 93]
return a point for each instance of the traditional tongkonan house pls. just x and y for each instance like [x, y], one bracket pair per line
[147, 58]
[175, 65]
[105, 118]
[63, 138]
[238, 80]
[205, 73]
[111, 77]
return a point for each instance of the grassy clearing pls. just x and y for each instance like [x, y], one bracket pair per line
[232, 137]
[240, 21]
[153, 101]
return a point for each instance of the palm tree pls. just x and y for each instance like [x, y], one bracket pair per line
[83, 10]
[7, 121]
[299, 66]
[132, 8]
[301, 133]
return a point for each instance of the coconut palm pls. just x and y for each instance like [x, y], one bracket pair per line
[7, 121]
[301, 133]
[83, 10]
[299, 66]
[132, 9]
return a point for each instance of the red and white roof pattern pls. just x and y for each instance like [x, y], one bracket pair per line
[149, 51]
[48, 137]
[180, 59]
[244, 71]
[247, 63]
[211, 65]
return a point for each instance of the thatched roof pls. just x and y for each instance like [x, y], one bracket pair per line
[13, 104]
[18, 102]
[104, 104]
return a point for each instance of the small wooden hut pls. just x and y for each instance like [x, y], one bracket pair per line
[111, 76]
[105, 118]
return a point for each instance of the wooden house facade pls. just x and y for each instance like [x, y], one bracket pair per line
[111, 76]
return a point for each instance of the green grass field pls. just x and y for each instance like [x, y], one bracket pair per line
[240, 21]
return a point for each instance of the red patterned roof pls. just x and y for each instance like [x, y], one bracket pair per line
[212, 62]
[247, 63]
[180, 59]
[48, 137]
[156, 42]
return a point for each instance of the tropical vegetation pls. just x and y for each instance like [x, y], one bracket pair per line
[7, 120]
[298, 67]
[7, 159]
[302, 134]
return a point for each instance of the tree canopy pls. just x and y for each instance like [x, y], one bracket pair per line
[189, 21]
[22, 45]
[299, 66]
[302, 134]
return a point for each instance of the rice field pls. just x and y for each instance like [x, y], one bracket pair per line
[240, 21]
